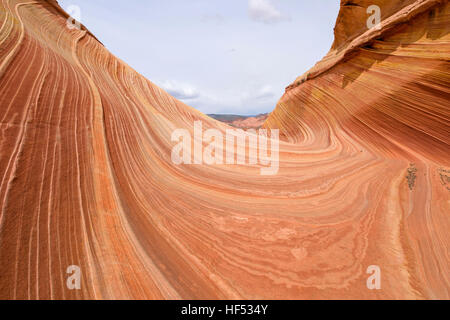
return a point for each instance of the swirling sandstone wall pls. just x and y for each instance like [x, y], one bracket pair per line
[86, 176]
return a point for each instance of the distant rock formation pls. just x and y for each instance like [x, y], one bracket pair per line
[242, 122]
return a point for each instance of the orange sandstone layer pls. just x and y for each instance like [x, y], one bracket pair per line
[86, 176]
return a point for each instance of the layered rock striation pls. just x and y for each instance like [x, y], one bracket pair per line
[87, 179]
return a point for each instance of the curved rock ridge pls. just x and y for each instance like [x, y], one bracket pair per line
[352, 33]
[87, 180]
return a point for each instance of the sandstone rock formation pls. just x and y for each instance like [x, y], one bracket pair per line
[86, 176]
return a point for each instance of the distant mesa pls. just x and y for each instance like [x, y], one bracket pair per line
[242, 122]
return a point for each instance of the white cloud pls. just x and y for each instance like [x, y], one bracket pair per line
[252, 99]
[265, 92]
[264, 11]
[180, 90]
[214, 18]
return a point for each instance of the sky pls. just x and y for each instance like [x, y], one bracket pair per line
[219, 56]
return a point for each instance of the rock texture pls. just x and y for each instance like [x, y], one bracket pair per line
[86, 176]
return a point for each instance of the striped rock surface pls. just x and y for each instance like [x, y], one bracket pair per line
[86, 176]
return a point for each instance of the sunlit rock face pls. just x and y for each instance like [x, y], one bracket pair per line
[86, 176]
[352, 19]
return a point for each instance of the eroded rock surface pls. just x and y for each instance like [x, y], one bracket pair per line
[86, 176]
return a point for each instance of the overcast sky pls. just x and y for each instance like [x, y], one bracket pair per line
[219, 56]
